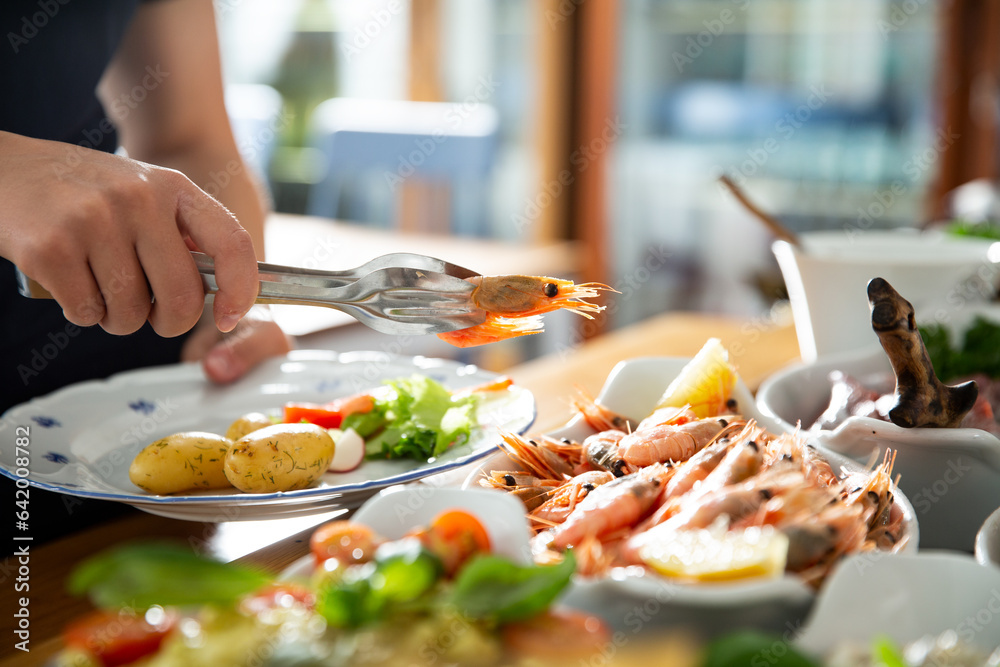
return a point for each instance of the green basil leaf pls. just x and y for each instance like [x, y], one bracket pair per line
[492, 587]
[142, 575]
[753, 648]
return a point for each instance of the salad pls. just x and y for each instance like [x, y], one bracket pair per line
[436, 596]
[408, 418]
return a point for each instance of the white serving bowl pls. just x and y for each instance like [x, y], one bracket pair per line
[630, 596]
[951, 476]
[905, 598]
[827, 281]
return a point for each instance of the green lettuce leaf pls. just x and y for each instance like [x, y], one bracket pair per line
[422, 420]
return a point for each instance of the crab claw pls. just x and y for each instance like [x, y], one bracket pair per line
[921, 398]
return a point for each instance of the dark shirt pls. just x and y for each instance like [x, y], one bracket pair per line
[52, 55]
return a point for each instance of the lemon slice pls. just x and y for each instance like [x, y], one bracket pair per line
[704, 384]
[707, 555]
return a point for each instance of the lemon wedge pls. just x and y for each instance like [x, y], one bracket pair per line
[710, 555]
[704, 384]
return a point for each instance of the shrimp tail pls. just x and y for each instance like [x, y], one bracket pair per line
[494, 329]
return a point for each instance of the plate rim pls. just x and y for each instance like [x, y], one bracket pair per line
[192, 371]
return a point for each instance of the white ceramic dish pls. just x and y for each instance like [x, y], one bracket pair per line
[827, 282]
[987, 549]
[396, 510]
[905, 597]
[632, 389]
[952, 476]
[83, 438]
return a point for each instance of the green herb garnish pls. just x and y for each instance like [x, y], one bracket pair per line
[142, 575]
[753, 648]
[979, 351]
[492, 587]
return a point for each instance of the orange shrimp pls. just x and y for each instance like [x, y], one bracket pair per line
[600, 450]
[514, 305]
[549, 459]
[598, 417]
[669, 442]
[561, 501]
[611, 507]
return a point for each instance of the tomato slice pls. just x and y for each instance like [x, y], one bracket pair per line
[329, 415]
[117, 638]
[557, 635]
[313, 413]
[346, 541]
[454, 536]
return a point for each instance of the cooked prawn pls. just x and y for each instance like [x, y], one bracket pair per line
[514, 305]
[669, 442]
[548, 459]
[600, 450]
[613, 506]
[561, 501]
[599, 417]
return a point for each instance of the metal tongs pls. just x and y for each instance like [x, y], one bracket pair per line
[399, 293]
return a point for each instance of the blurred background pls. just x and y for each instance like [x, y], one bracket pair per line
[595, 130]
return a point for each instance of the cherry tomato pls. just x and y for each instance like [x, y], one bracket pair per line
[348, 542]
[329, 415]
[454, 536]
[279, 595]
[557, 635]
[117, 638]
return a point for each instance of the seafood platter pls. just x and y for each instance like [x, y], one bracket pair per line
[673, 520]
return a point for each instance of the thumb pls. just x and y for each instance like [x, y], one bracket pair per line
[250, 343]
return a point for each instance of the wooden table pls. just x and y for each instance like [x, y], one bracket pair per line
[757, 348]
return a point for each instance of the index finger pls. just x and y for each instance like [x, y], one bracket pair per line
[217, 233]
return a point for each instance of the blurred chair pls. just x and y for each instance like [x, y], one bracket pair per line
[406, 142]
[255, 115]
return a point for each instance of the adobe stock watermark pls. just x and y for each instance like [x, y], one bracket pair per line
[562, 12]
[248, 147]
[581, 159]
[784, 129]
[915, 166]
[899, 15]
[697, 44]
[40, 356]
[120, 107]
[425, 147]
[32, 23]
[366, 33]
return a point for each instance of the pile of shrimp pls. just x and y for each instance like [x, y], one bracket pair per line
[627, 486]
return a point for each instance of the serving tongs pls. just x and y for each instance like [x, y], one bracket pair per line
[398, 294]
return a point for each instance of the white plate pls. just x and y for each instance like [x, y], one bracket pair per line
[632, 389]
[952, 476]
[83, 438]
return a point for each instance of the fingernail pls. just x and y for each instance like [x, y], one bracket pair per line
[218, 366]
[228, 322]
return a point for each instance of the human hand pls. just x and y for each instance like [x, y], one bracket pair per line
[109, 238]
[227, 357]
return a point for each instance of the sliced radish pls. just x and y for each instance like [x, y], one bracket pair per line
[349, 451]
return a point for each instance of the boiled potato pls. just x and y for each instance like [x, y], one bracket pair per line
[181, 462]
[280, 457]
[248, 423]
